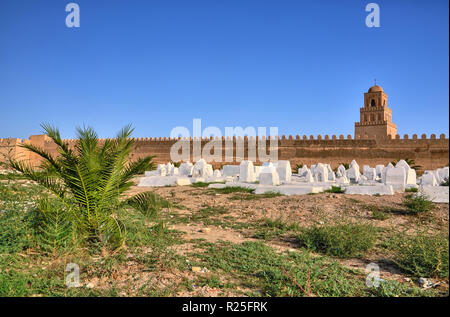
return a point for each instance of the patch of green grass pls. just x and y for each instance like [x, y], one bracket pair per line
[342, 240]
[279, 223]
[213, 281]
[12, 176]
[200, 184]
[208, 215]
[17, 217]
[379, 214]
[242, 196]
[395, 289]
[271, 194]
[17, 283]
[418, 203]
[270, 228]
[411, 190]
[423, 255]
[31, 275]
[249, 196]
[234, 189]
[259, 267]
[213, 210]
[204, 184]
[16, 232]
[335, 190]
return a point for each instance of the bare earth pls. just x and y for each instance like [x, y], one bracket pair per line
[303, 210]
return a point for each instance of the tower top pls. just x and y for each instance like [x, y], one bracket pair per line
[375, 88]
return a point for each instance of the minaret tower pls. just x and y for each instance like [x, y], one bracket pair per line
[375, 116]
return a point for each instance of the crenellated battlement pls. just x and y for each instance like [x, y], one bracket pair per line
[298, 137]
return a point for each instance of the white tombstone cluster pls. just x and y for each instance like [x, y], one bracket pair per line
[430, 183]
[435, 177]
[278, 177]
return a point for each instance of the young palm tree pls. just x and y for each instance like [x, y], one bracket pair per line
[88, 179]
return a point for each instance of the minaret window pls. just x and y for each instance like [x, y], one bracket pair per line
[373, 103]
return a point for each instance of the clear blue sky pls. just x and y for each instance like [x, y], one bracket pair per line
[302, 66]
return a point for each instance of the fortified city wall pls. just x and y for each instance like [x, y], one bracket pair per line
[429, 152]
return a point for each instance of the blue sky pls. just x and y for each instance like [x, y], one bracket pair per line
[301, 66]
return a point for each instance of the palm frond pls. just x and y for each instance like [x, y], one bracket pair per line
[55, 227]
[134, 168]
[43, 154]
[55, 135]
[42, 178]
[148, 203]
[113, 232]
[125, 132]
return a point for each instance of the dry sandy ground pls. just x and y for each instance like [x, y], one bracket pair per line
[303, 210]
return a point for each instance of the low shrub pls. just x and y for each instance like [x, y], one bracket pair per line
[342, 240]
[335, 190]
[418, 203]
[424, 255]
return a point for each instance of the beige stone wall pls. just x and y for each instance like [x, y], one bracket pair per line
[429, 152]
[10, 148]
